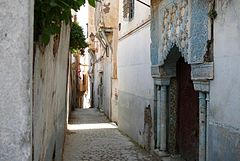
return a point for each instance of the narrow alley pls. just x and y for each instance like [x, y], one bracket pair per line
[119, 80]
[91, 137]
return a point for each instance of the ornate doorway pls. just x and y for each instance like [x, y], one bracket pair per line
[187, 132]
[182, 25]
[180, 111]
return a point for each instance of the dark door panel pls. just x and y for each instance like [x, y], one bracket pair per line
[187, 114]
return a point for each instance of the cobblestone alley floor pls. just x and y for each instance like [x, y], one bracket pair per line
[91, 137]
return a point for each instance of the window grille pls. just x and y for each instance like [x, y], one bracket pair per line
[128, 9]
[125, 9]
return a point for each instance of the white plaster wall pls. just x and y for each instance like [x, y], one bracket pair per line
[133, 63]
[98, 67]
[107, 86]
[142, 13]
[135, 82]
[226, 84]
[103, 68]
[106, 14]
[16, 32]
[224, 111]
[114, 100]
[95, 88]
[50, 95]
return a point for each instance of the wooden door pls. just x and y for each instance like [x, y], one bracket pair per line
[187, 114]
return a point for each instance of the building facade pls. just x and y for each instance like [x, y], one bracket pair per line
[121, 66]
[33, 81]
[16, 48]
[103, 38]
[176, 91]
[194, 55]
[135, 90]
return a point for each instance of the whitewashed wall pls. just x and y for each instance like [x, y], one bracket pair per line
[142, 14]
[135, 83]
[16, 43]
[106, 16]
[224, 111]
[50, 96]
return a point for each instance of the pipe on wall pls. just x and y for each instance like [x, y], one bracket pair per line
[202, 126]
[158, 117]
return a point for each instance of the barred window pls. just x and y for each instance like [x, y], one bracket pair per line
[128, 9]
[125, 8]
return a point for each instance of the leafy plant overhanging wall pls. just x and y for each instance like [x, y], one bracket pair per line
[77, 39]
[49, 14]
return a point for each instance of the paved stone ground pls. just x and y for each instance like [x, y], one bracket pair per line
[106, 144]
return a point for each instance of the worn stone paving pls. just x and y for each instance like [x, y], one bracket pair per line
[99, 141]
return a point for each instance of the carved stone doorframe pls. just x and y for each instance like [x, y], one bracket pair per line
[162, 86]
[183, 24]
[203, 87]
[201, 74]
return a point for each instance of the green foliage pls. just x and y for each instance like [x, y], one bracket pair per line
[49, 14]
[91, 2]
[77, 38]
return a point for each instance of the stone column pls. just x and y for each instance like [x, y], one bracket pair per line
[201, 75]
[207, 114]
[163, 84]
[163, 118]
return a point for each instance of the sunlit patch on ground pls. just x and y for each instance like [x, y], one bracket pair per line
[92, 137]
[92, 126]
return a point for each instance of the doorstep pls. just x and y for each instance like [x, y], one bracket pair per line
[164, 156]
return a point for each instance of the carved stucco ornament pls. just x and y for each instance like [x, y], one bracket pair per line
[175, 29]
[184, 23]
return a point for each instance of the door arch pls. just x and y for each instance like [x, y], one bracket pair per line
[178, 127]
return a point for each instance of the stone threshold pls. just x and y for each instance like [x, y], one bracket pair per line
[164, 156]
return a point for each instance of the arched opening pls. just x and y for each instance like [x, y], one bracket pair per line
[177, 109]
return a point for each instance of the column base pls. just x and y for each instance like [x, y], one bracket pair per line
[164, 156]
[160, 154]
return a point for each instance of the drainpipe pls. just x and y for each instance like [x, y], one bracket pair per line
[202, 126]
[158, 116]
[155, 117]
[101, 36]
[208, 104]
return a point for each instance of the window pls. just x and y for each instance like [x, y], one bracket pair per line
[125, 9]
[128, 9]
[131, 13]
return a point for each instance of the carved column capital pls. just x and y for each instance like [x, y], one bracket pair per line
[201, 75]
[204, 71]
[202, 86]
[162, 81]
